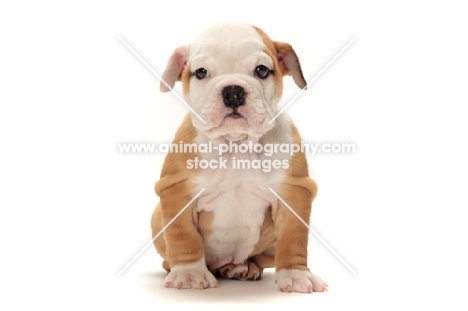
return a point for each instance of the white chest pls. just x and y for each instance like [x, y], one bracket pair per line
[237, 198]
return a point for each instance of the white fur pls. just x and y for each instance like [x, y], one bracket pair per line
[238, 199]
[194, 275]
[231, 52]
[302, 281]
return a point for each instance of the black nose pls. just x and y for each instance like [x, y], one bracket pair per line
[233, 96]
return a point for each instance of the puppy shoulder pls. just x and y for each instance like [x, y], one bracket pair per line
[174, 169]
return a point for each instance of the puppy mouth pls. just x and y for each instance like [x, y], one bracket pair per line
[234, 115]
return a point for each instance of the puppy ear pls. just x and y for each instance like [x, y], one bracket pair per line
[175, 67]
[289, 63]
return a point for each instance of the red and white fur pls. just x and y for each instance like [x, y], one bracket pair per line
[237, 227]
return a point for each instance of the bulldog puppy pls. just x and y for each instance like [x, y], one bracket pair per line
[232, 77]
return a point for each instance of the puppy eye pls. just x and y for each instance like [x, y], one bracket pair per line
[262, 71]
[200, 73]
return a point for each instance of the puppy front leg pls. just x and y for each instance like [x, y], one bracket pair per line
[292, 273]
[184, 244]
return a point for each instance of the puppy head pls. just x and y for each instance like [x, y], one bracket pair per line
[232, 77]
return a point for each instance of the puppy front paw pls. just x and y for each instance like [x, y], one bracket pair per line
[194, 275]
[302, 281]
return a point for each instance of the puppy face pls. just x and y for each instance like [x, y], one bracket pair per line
[232, 77]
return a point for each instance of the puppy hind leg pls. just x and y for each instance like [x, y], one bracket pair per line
[166, 265]
[159, 243]
[260, 261]
[264, 260]
[251, 270]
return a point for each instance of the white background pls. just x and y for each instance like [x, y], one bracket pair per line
[74, 211]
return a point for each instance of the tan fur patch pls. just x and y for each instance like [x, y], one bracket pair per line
[185, 78]
[298, 190]
[180, 243]
[271, 51]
